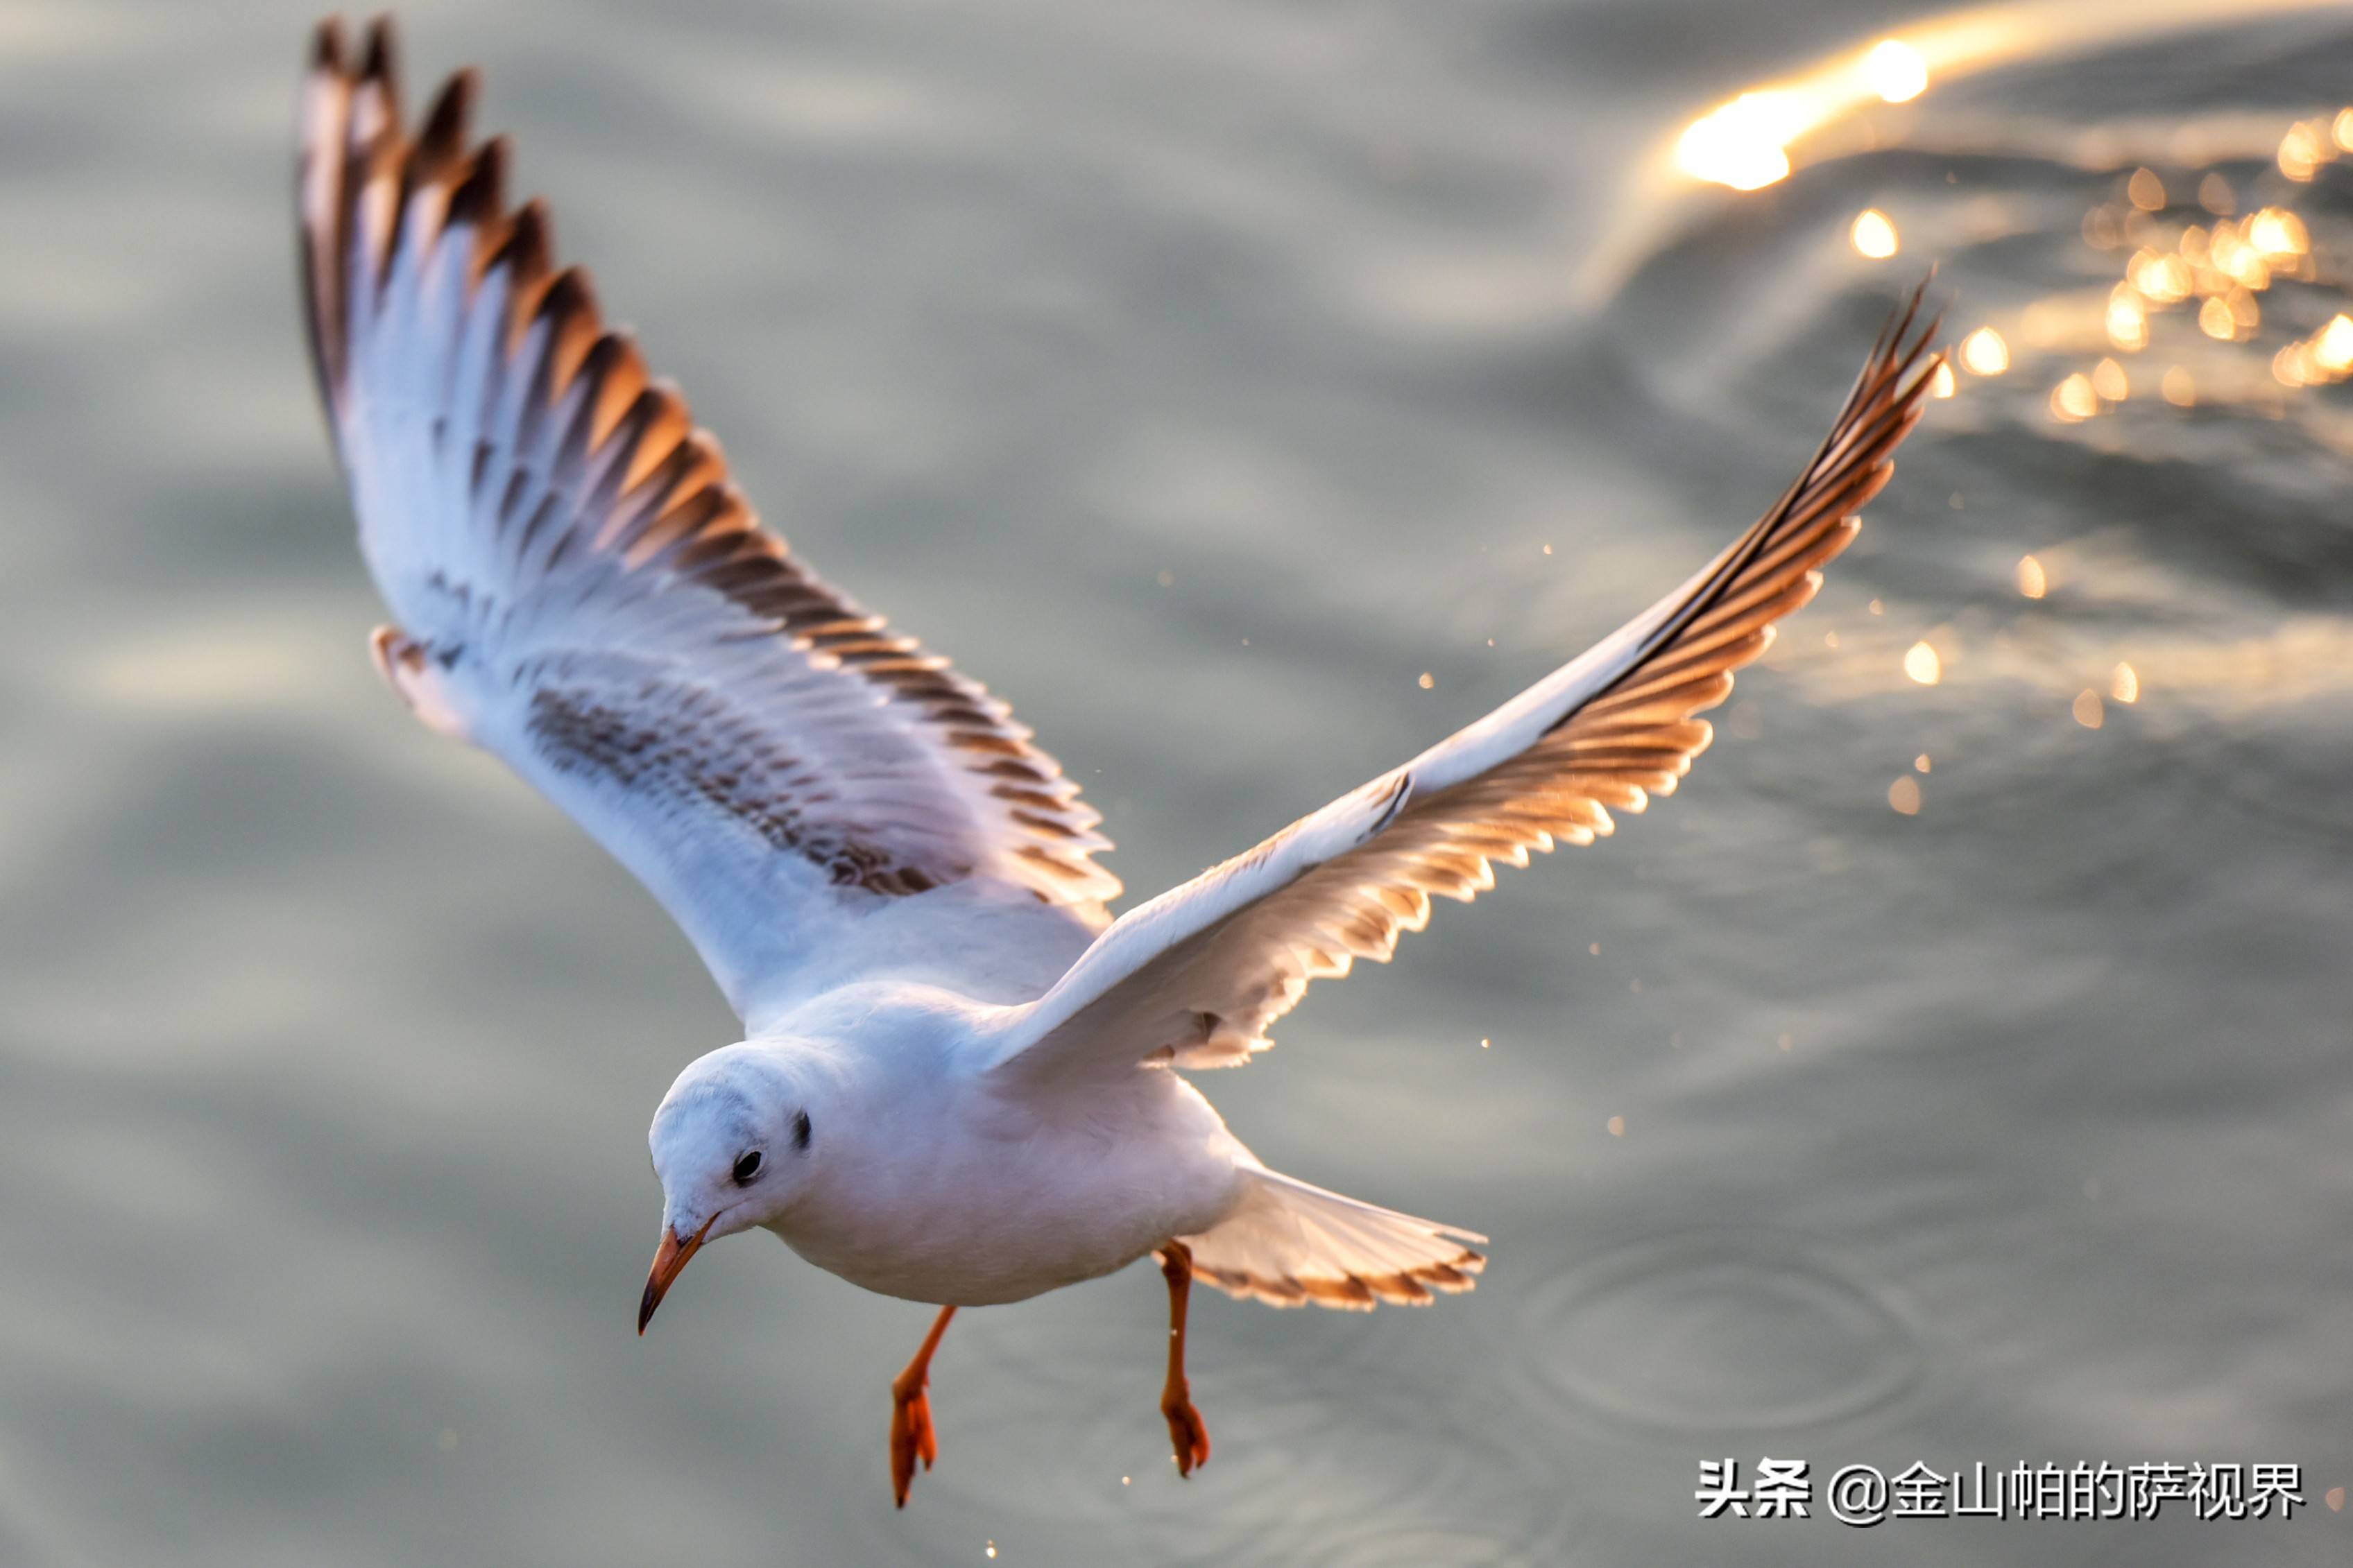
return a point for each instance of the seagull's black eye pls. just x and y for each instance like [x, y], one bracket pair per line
[801, 1131]
[747, 1166]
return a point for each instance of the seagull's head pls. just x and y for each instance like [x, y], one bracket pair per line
[733, 1143]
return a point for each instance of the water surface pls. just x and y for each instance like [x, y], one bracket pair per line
[1203, 378]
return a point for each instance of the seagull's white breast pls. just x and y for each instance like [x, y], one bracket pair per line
[953, 1193]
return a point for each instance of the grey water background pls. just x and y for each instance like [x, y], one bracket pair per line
[1201, 377]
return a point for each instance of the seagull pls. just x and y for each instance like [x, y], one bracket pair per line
[961, 1080]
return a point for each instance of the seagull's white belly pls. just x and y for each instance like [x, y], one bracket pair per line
[993, 1204]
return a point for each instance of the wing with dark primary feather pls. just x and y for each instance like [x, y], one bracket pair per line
[581, 589]
[1198, 976]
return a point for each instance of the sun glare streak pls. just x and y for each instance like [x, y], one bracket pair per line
[1895, 70]
[1744, 144]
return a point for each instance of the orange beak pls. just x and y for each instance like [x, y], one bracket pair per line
[668, 1258]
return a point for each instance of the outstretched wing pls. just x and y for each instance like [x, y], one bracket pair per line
[582, 591]
[1198, 976]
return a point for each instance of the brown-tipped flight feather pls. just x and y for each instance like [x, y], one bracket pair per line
[553, 450]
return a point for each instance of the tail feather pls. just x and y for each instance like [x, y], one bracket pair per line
[1290, 1243]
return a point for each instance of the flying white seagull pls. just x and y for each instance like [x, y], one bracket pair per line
[955, 1083]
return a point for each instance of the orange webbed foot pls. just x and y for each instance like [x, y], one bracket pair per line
[912, 1436]
[1187, 1431]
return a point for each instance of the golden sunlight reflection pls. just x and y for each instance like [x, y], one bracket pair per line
[1743, 144]
[2278, 234]
[1920, 764]
[2073, 401]
[1895, 70]
[1941, 383]
[2334, 347]
[1873, 235]
[2123, 684]
[2127, 318]
[1921, 663]
[2180, 387]
[2303, 150]
[2324, 358]
[2031, 582]
[2145, 191]
[1903, 794]
[2108, 380]
[1746, 142]
[1842, 104]
[2089, 711]
[2159, 279]
[1983, 352]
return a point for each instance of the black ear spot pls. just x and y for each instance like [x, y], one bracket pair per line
[801, 1131]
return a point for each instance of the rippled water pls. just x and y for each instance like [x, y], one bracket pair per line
[1202, 377]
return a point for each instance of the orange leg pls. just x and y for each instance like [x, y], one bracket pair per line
[1185, 1428]
[912, 1436]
